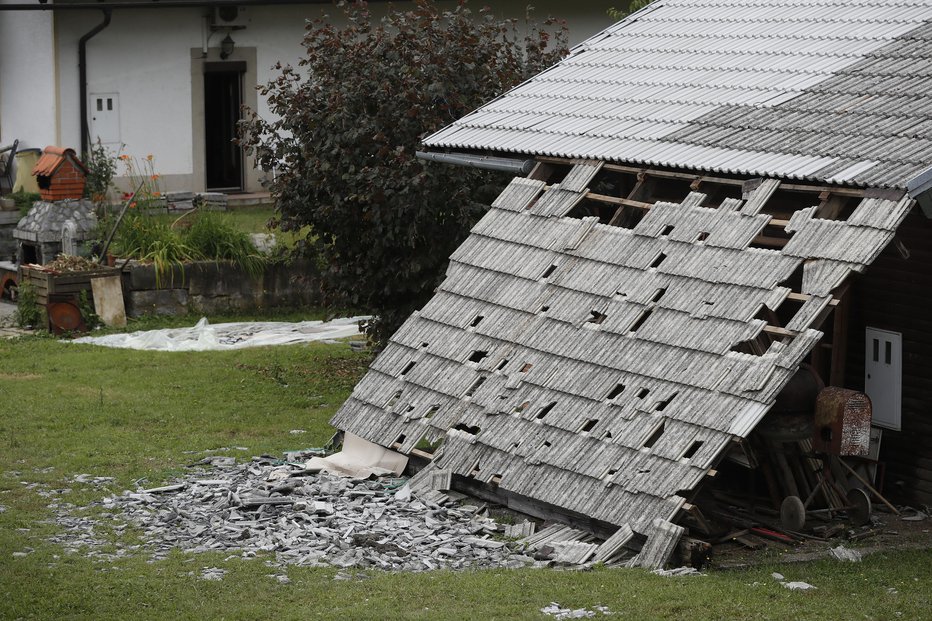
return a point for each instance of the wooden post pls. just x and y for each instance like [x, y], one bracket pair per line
[840, 340]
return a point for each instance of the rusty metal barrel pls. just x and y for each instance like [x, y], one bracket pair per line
[842, 422]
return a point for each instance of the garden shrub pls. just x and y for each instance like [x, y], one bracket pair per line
[348, 122]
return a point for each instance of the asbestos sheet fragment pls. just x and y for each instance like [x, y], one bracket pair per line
[661, 542]
[359, 459]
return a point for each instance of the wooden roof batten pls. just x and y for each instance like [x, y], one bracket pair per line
[611, 347]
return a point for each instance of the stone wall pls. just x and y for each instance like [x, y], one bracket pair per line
[8, 245]
[217, 287]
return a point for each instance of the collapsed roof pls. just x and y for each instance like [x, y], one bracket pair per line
[596, 347]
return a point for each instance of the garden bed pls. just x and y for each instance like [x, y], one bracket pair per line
[211, 287]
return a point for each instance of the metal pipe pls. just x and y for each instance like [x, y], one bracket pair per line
[82, 78]
[486, 162]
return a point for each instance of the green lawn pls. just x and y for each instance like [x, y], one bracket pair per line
[70, 409]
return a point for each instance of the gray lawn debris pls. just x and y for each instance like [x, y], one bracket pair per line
[677, 571]
[275, 507]
[846, 554]
[212, 573]
[558, 612]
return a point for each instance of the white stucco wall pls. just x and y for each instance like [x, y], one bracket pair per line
[145, 56]
[27, 78]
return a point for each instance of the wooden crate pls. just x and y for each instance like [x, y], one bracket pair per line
[50, 284]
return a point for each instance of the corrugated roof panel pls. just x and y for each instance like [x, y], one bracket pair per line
[724, 63]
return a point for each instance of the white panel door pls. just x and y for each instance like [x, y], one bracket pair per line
[105, 117]
[883, 375]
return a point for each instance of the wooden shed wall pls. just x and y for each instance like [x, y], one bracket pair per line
[896, 294]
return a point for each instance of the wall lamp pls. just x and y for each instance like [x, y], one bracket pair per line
[226, 47]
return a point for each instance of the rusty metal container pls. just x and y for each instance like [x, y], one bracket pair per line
[842, 422]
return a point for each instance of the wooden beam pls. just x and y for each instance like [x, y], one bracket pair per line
[420, 453]
[803, 297]
[840, 341]
[541, 171]
[831, 206]
[614, 200]
[690, 177]
[840, 191]
[767, 240]
[778, 331]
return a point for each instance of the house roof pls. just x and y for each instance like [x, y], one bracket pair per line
[835, 91]
[53, 157]
[592, 367]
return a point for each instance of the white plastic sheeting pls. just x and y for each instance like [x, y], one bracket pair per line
[205, 337]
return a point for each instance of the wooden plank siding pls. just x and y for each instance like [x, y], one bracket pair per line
[896, 294]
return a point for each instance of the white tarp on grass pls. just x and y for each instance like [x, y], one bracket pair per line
[204, 337]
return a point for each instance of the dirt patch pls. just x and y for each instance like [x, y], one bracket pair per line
[19, 376]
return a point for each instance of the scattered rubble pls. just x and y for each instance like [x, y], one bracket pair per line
[798, 586]
[279, 508]
[846, 554]
[291, 514]
[558, 612]
[793, 586]
[212, 573]
[678, 571]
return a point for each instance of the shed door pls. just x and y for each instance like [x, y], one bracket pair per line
[883, 376]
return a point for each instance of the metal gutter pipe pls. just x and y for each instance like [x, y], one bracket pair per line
[82, 77]
[486, 162]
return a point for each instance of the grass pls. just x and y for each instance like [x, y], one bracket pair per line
[248, 219]
[70, 409]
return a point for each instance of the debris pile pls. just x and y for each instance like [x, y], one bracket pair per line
[306, 519]
[71, 263]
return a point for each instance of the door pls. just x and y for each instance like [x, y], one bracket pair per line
[105, 117]
[223, 96]
[883, 376]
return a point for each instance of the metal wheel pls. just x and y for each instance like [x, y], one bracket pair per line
[793, 513]
[859, 506]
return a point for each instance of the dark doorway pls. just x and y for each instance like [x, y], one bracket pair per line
[223, 95]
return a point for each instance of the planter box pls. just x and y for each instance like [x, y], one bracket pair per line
[54, 285]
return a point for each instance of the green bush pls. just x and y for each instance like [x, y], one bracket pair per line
[209, 236]
[101, 166]
[24, 200]
[147, 239]
[347, 124]
[27, 306]
[214, 236]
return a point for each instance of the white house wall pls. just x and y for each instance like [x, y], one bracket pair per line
[27, 95]
[146, 57]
